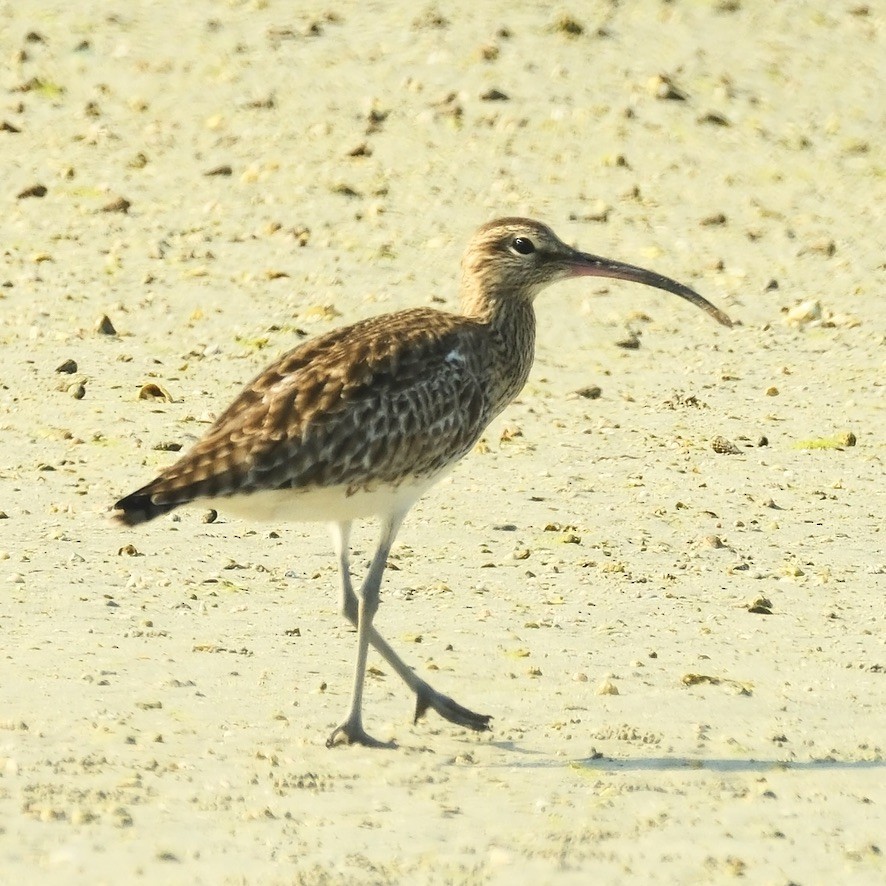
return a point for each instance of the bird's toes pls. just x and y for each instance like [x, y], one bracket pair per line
[449, 709]
[350, 732]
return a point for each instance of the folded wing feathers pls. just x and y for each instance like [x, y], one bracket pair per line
[376, 401]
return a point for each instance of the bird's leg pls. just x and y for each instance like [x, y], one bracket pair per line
[426, 697]
[351, 730]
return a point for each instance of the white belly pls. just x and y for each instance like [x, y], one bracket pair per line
[324, 504]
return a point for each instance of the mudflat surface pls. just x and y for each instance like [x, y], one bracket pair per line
[683, 648]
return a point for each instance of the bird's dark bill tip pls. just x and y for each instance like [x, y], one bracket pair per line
[721, 317]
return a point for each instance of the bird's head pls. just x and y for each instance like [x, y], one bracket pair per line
[518, 257]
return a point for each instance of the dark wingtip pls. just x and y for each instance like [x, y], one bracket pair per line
[139, 507]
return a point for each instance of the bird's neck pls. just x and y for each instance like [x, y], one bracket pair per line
[510, 324]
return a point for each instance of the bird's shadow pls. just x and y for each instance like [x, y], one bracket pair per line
[600, 763]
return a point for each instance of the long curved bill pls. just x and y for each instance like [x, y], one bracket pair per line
[586, 265]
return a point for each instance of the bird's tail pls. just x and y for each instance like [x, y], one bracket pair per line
[140, 506]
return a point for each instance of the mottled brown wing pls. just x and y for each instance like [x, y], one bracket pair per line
[392, 397]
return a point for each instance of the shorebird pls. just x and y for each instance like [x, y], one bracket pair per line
[361, 421]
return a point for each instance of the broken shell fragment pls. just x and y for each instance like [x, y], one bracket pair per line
[152, 391]
[724, 446]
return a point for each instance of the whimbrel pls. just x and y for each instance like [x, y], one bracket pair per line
[361, 421]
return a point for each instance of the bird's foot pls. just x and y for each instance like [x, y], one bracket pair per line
[352, 732]
[427, 697]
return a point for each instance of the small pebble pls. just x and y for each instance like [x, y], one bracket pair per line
[489, 52]
[598, 211]
[104, 326]
[662, 87]
[69, 367]
[630, 343]
[33, 191]
[566, 24]
[806, 312]
[714, 118]
[822, 246]
[121, 204]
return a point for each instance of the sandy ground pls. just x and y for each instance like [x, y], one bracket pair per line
[683, 649]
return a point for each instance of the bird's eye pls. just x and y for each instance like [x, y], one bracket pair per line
[523, 245]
